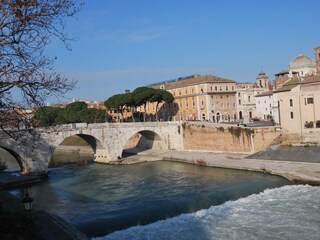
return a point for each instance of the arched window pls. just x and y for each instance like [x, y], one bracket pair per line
[218, 117]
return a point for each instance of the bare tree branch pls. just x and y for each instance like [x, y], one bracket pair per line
[27, 77]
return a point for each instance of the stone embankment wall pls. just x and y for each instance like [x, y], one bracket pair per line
[227, 138]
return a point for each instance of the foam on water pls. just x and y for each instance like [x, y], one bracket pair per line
[289, 212]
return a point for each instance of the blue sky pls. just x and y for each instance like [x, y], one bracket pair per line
[124, 44]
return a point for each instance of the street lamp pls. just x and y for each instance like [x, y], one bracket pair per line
[27, 201]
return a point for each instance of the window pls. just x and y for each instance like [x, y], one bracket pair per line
[193, 105]
[291, 115]
[211, 88]
[227, 88]
[216, 88]
[291, 102]
[239, 102]
[220, 88]
[228, 105]
[186, 91]
[232, 87]
[309, 100]
[192, 90]
[187, 103]
[249, 98]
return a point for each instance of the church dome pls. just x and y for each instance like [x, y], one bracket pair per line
[301, 61]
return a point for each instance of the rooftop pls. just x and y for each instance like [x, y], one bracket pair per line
[192, 80]
[296, 81]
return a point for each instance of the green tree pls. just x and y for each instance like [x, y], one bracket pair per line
[46, 116]
[119, 102]
[159, 96]
[141, 96]
[92, 115]
[71, 113]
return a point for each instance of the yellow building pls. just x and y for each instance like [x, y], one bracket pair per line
[196, 97]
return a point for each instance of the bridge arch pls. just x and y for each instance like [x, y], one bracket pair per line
[24, 168]
[142, 140]
[94, 143]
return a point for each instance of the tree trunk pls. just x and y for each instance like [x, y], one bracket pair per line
[144, 112]
[157, 111]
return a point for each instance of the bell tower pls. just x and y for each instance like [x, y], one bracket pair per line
[263, 80]
[317, 57]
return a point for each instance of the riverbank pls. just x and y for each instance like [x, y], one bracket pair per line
[44, 225]
[47, 226]
[296, 172]
[9, 180]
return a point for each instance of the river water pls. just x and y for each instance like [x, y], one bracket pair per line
[170, 200]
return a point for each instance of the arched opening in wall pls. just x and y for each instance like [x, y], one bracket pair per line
[142, 141]
[240, 115]
[218, 117]
[80, 149]
[12, 161]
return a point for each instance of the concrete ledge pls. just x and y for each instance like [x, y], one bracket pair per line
[296, 172]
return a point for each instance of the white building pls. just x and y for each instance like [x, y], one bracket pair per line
[245, 97]
[302, 65]
[267, 106]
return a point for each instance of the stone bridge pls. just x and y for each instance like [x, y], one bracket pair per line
[106, 139]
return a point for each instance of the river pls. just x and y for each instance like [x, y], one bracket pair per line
[170, 200]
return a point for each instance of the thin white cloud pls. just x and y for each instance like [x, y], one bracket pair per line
[137, 36]
[140, 72]
[140, 36]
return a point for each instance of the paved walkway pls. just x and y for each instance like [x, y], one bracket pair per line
[296, 172]
[289, 153]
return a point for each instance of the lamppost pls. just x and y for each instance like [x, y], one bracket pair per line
[27, 201]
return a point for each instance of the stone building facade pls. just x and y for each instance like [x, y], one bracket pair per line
[197, 97]
[299, 104]
[246, 92]
[267, 106]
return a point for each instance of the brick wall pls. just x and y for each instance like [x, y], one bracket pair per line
[218, 138]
